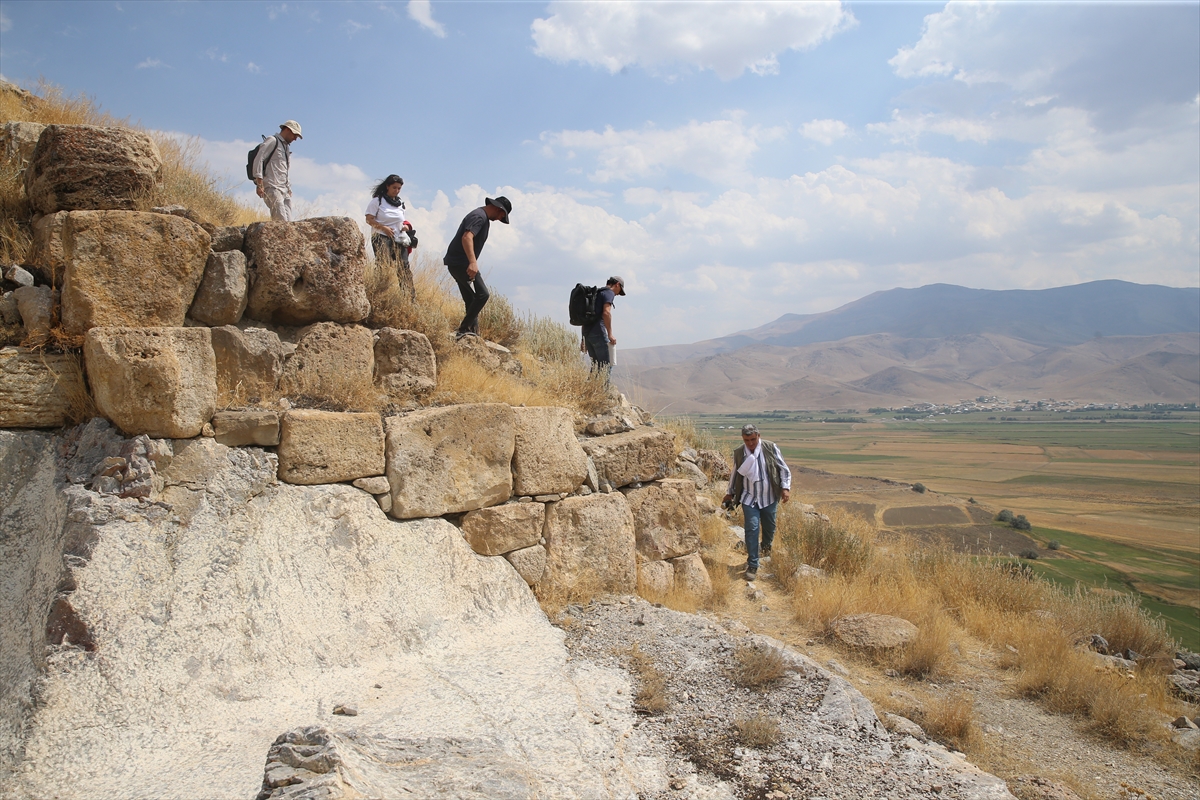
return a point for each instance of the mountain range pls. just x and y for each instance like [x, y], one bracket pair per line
[1104, 341]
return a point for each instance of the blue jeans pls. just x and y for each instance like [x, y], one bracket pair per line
[755, 518]
[596, 340]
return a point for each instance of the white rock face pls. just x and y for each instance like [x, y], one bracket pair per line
[254, 608]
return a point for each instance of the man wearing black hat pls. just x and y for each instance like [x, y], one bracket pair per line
[462, 259]
[598, 338]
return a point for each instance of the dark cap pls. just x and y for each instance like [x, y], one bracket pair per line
[749, 429]
[620, 280]
[501, 203]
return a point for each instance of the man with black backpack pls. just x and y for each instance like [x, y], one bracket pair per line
[598, 339]
[269, 170]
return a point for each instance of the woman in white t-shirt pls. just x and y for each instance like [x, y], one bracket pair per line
[391, 235]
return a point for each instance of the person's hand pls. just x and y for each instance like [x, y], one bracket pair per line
[787, 495]
[472, 271]
[583, 345]
[612, 340]
[726, 499]
[258, 188]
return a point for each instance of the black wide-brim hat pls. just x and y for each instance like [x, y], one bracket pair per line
[501, 203]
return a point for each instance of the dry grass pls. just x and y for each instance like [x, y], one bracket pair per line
[759, 731]
[651, 696]
[687, 434]
[554, 597]
[843, 546]
[758, 667]
[950, 719]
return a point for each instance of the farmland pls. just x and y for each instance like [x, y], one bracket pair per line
[1120, 498]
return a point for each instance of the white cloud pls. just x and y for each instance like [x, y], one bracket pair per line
[718, 150]
[152, 63]
[908, 128]
[252, 67]
[352, 27]
[825, 131]
[5, 23]
[726, 37]
[215, 54]
[421, 11]
[946, 41]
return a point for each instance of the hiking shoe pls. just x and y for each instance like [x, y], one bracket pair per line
[751, 574]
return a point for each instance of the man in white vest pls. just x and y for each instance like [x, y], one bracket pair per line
[759, 480]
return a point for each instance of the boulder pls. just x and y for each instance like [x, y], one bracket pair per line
[36, 304]
[608, 424]
[501, 529]
[38, 390]
[18, 141]
[240, 428]
[249, 362]
[874, 631]
[86, 167]
[713, 463]
[307, 271]
[693, 473]
[46, 251]
[665, 519]
[691, 576]
[157, 381]
[643, 454]
[451, 459]
[230, 237]
[404, 362]
[129, 268]
[329, 446]
[331, 362]
[547, 457]
[590, 544]
[530, 563]
[655, 579]
[221, 298]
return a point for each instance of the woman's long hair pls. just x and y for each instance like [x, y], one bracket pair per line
[381, 189]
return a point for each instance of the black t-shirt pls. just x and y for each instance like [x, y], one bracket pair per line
[478, 224]
[605, 296]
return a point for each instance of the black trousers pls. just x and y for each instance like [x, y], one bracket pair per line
[475, 296]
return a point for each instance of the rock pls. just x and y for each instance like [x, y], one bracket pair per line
[688, 454]
[1183, 722]
[1098, 643]
[126, 269]
[903, 726]
[227, 238]
[874, 631]
[404, 362]
[655, 579]
[377, 484]
[1189, 659]
[665, 520]
[691, 576]
[1033, 787]
[547, 457]
[36, 304]
[46, 252]
[805, 572]
[38, 390]
[18, 141]
[221, 298]
[590, 544]
[491, 356]
[249, 362]
[178, 210]
[501, 529]
[385, 502]
[329, 446]
[10, 312]
[844, 708]
[592, 480]
[692, 473]
[331, 363]
[307, 271]
[608, 424]
[714, 464]
[448, 460]
[15, 273]
[341, 709]
[240, 428]
[157, 381]
[530, 563]
[837, 667]
[86, 167]
[644, 454]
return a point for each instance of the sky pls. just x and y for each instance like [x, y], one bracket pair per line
[733, 162]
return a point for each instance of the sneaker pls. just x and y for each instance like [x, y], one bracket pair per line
[751, 574]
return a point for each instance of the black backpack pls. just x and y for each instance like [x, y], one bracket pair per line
[254, 153]
[583, 305]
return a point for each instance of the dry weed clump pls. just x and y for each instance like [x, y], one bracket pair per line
[759, 731]
[687, 434]
[651, 696]
[950, 719]
[929, 653]
[758, 667]
[844, 545]
[1118, 617]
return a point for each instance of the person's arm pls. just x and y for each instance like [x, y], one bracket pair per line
[732, 475]
[374, 223]
[608, 322]
[260, 161]
[785, 476]
[468, 245]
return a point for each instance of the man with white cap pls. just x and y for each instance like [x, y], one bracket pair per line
[270, 170]
[760, 479]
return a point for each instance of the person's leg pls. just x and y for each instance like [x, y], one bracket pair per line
[474, 308]
[751, 518]
[274, 198]
[597, 348]
[768, 527]
[466, 290]
[287, 207]
[382, 247]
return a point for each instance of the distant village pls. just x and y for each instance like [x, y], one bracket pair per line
[991, 405]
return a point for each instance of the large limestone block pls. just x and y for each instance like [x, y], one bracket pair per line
[655, 579]
[46, 252]
[129, 268]
[452, 459]
[36, 304]
[157, 381]
[85, 167]
[249, 362]
[37, 390]
[241, 428]
[404, 361]
[691, 577]
[874, 631]
[230, 237]
[665, 519]
[529, 563]
[643, 454]
[307, 271]
[331, 362]
[329, 446]
[547, 458]
[500, 529]
[221, 298]
[18, 141]
[590, 544]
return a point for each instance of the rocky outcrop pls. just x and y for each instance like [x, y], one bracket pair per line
[501, 529]
[665, 519]
[86, 167]
[221, 297]
[404, 362]
[329, 446]
[129, 269]
[307, 271]
[331, 363]
[590, 544]
[643, 454]
[157, 381]
[449, 460]
[547, 458]
[38, 390]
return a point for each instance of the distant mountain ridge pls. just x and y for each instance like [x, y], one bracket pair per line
[1102, 341]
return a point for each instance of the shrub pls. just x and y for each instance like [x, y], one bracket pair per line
[950, 720]
[1029, 553]
[758, 666]
[843, 545]
[919, 488]
[1004, 516]
[651, 696]
[1053, 545]
[1020, 523]
[759, 731]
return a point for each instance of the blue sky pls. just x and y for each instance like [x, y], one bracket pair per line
[733, 161]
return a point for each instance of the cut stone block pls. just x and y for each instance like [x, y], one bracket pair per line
[249, 362]
[655, 579]
[46, 252]
[87, 167]
[242, 428]
[501, 529]
[37, 390]
[329, 446]
[665, 518]
[404, 361]
[590, 544]
[221, 298]
[547, 458]
[691, 576]
[331, 362]
[529, 563]
[643, 454]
